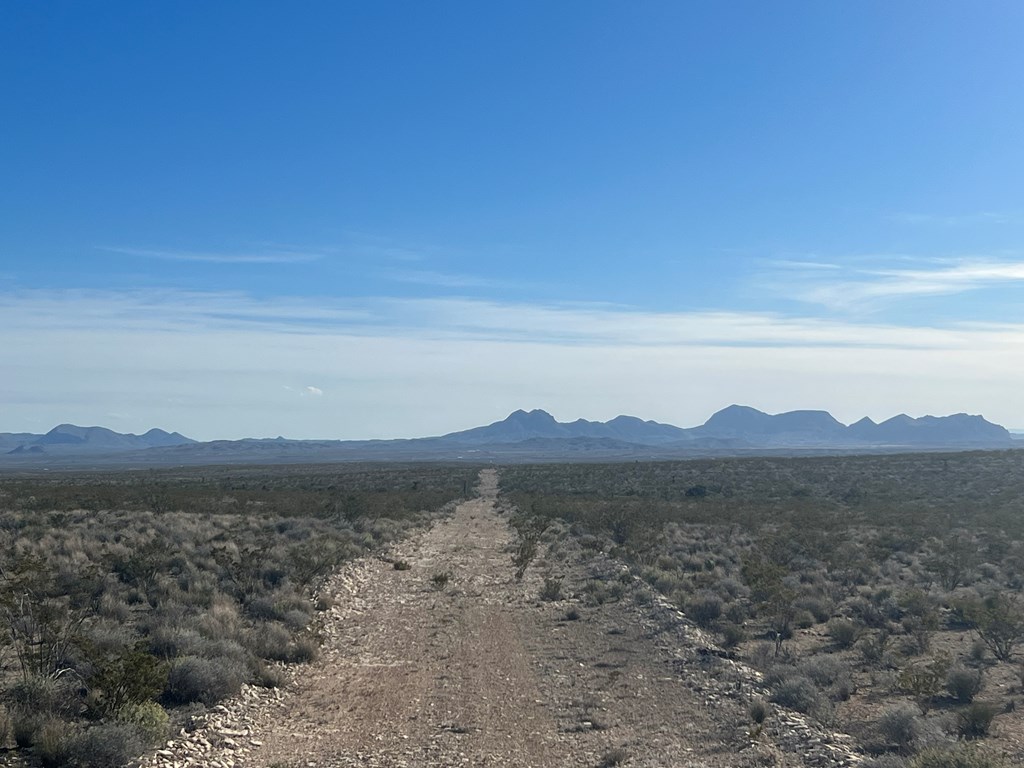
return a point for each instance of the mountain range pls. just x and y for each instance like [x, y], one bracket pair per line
[527, 436]
[67, 438]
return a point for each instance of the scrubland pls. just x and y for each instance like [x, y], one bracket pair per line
[881, 595]
[130, 601]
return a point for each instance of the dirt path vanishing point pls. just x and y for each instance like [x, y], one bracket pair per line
[479, 671]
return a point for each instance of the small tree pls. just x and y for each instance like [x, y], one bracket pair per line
[770, 594]
[997, 619]
[40, 627]
[924, 680]
[530, 530]
[951, 560]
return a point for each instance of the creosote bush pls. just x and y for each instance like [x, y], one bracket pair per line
[975, 720]
[963, 684]
[843, 632]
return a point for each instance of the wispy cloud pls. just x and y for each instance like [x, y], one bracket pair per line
[252, 257]
[848, 287]
[211, 365]
[307, 391]
[468, 319]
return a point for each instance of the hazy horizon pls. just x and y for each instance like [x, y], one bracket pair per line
[343, 221]
[171, 429]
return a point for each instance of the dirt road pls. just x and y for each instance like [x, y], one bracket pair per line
[453, 662]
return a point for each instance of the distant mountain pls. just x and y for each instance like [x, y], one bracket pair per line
[69, 438]
[752, 425]
[528, 436]
[959, 428]
[743, 427]
[522, 425]
[803, 428]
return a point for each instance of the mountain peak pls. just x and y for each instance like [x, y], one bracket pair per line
[535, 415]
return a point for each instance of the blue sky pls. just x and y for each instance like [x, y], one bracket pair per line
[391, 219]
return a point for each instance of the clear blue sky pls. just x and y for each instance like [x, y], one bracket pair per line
[346, 219]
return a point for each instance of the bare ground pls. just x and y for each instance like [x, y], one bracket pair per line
[479, 671]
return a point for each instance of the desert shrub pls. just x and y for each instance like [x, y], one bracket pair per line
[889, 760]
[793, 690]
[736, 612]
[108, 745]
[899, 726]
[975, 720]
[530, 530]
[54, 743]
[705, 608]
[269, 676]
[758, 711]
[803, 619]
[613, 757]
[273, 641]
[963, 684]
[304, 650]
[440, 580]
[42, 695]
[551, 589]
[998, 620]
[762, 656]
[874, 649]
[959, 756]
[843, 632]
[829, 673]
[263, 608]
[732, 634]
[819, 608]
[25, 725]
[149, 718]
[885, 761]
[924, 680]
[296, 619]
[130, 677]
[204, 680]
[599, 592]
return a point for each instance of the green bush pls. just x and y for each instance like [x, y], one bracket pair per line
[149, 718]
[975, 720]
[963, 684]
[843, 633]
[132, 676]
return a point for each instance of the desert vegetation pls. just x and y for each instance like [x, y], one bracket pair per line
[880, 595]
[129, 601]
